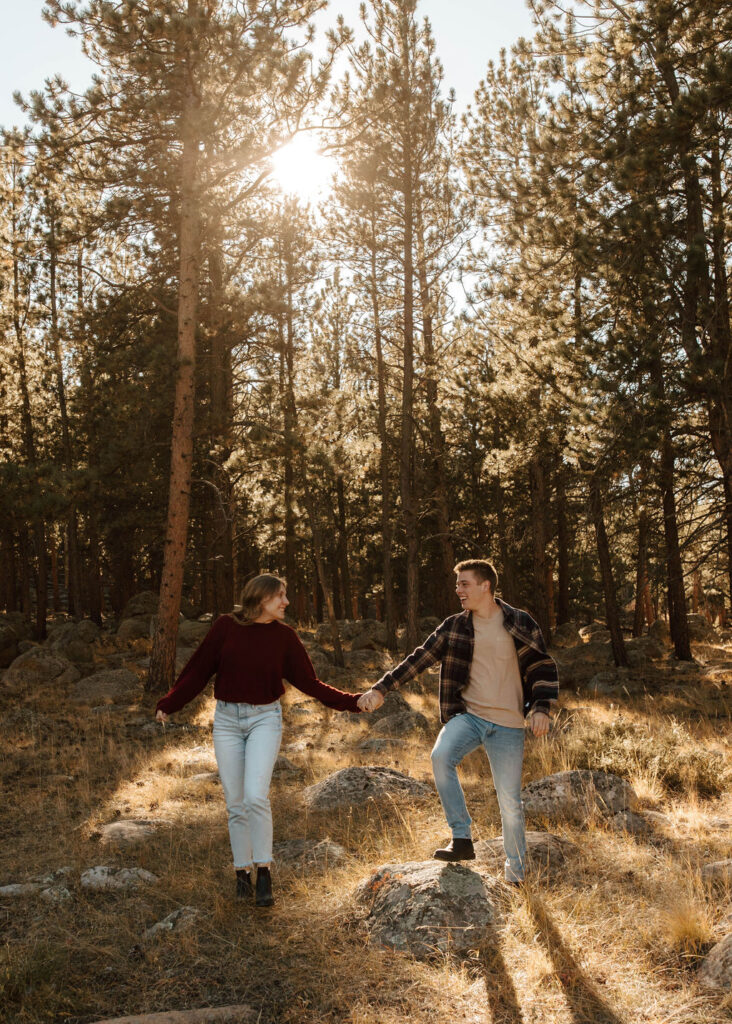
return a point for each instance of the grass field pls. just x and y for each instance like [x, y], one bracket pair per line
[615, 936]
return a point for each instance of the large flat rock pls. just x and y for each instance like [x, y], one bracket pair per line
[716, 970]
[356, 785]
[428, 907]
[106, 687]
[235, 1014]
[576, 795]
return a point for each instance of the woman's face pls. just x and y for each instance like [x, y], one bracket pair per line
[274, 607]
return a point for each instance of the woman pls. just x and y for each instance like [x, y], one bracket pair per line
[250, 655]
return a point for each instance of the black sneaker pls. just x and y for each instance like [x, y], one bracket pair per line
[263, 896]
[456, 849]
[244, 887]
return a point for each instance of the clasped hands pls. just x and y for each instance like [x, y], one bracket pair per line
[371, 700]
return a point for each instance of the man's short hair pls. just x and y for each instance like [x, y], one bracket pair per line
[482, 568]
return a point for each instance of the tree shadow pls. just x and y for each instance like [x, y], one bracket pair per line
[500, 992]
[584, 1001]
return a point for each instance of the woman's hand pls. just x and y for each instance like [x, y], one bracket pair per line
[160, 716]
[371, 700]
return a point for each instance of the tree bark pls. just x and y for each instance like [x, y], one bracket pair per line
[162, 661]
[563, 543]
[445, 590]
[387, 528]
[537, 487]
[641, 574]
[612, 611]
[406, 449]
[74, 566]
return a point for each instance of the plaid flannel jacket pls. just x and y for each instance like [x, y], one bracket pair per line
[451, 645]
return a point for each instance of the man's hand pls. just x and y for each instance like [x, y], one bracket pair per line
[161, 717]
[371, 700]
[539, 723]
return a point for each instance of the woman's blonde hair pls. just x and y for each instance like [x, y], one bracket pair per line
[256, 591]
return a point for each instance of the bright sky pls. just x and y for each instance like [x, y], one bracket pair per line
[468, 34]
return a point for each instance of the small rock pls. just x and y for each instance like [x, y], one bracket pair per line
[308, 852]
[700, 629]
[630, 822]
[595, 632]
[205, 777]
[401, 724]
[178, 921]
[111, 685]
[543, 849]
[659, 630]
[129, 831]
[20, 889]
[234, 1014]
[133, 629]
[428, 907]
[190, 634]
[355, 786]
[575, 795]
[567, 635]
[39, 667]
[719, 871]
[609, 681]
[285, 768]
[9, 641]
[716, 970]
[145, 603]
[56, 894]
[379, 745]
[107, 878]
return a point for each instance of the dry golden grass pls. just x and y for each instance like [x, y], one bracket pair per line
[615, 936]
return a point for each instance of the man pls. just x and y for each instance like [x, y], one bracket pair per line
[495, 673]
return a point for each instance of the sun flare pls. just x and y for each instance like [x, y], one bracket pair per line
[300, 168]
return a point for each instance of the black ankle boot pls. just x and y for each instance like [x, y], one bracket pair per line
[456, 849]
[264, 897]
[244, 888]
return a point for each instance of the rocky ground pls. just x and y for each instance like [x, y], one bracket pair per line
[116, 890]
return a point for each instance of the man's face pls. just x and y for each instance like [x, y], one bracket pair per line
[470, 590]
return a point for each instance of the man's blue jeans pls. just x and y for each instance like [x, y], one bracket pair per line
[505, 748]
[246, 741]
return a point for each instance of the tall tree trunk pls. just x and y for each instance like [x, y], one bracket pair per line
[641, 574]
[162, 661]
[39, 532]
[220, 429]
[612, 611]
[387, 527]
[322, 572]
[445, 589]
[406, 450]
[537, 487]
[345, 572]
[720, 411]
[8, 573]
[563, 543]
[74, 562]
[678, 622]
[286, 331]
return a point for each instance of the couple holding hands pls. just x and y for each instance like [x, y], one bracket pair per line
[495, 677]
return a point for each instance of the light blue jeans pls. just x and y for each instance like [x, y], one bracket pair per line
[247, 740]
[505, 748]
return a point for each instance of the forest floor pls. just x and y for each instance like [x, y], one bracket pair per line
[614, 936]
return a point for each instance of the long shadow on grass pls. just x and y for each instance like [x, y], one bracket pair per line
[585, 1003]
[502, 1000]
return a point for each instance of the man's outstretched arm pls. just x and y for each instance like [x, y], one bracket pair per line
[430, 653]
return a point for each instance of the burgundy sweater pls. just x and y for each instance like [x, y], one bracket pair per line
[250, 662]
